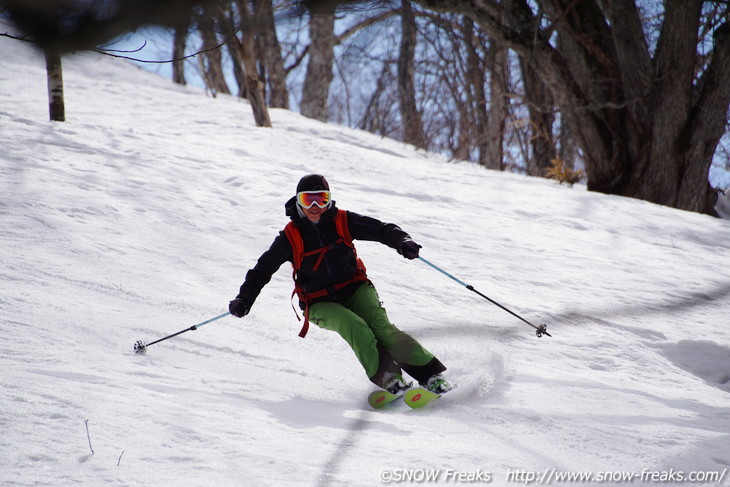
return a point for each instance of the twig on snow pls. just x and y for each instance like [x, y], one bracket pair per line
[86, 422]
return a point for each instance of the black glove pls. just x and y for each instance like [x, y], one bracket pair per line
[239, 307]
[409, 249]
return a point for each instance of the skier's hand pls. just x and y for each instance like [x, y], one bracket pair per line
[409, 249]
[239, 307]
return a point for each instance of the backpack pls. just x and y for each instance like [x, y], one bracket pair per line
[297, 245]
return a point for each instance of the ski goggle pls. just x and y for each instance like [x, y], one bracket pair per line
[307, 199]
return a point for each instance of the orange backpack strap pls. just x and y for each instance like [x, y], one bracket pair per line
[343, 230]
[297, 244]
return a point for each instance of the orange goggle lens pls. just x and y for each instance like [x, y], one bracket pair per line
[307, 199]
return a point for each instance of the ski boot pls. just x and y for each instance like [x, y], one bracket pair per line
[438, 385]
[396, 384]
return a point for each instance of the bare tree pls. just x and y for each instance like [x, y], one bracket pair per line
[410, 116]
[211, 61]
[646, 115]
[254, 85]
[378, 116]
[364, 56]
[54, 74]
[497, 65]
[463, 82]
[315, 92]
[178, 51]
[230, 24]
[243, 53]
[270, 55]
[475, 79]
[540, 107]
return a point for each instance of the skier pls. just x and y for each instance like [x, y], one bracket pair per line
[334, 291]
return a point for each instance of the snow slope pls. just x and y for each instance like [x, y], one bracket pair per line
[139, 216]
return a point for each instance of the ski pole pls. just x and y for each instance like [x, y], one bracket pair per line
[539, 330]
[140, 346]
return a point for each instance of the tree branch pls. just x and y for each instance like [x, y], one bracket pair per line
[110, 52]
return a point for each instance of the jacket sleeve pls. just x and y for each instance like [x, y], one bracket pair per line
[269, 262]
[367, 228]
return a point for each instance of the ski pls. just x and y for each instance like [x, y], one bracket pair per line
[381, 398]
[419, 397]
[415, 398]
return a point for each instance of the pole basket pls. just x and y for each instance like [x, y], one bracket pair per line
[541, 330]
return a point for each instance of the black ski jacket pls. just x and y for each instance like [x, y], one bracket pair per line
[339, 263]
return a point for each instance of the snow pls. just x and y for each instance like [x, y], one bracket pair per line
[139, 216]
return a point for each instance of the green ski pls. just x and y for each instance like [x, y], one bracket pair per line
[380, 399]
[419, 397]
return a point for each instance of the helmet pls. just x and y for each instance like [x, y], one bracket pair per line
[313, 182]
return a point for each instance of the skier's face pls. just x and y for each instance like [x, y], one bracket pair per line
[314, 213]
[314, 203]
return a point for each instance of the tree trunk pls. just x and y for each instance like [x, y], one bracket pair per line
[54, 75]
[243, 54]
[410, 117]
[567, 150]
[704, 128]
[211, 59]
[227, 20]
[315, 92]
[498, 66]
[271, 56]
[540, 107]
[178, 52]
[476, 78]
[658, 175]
[254, 85]
[377, 111]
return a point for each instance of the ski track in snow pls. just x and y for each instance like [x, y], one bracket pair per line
[139, 216]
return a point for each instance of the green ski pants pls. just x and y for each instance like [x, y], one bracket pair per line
[378, 344]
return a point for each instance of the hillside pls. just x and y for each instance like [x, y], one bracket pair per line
[139, 216]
